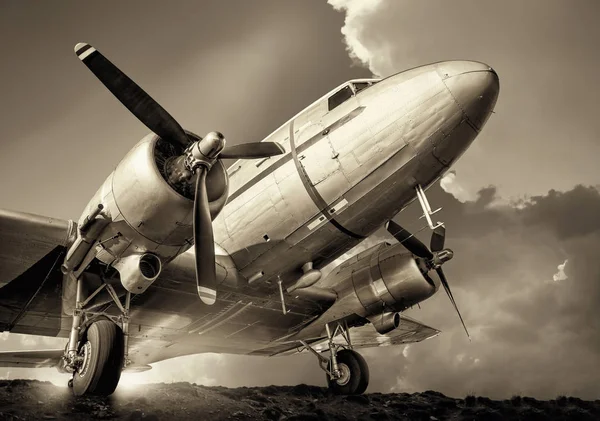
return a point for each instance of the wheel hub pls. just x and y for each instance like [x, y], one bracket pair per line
[344, 374]
[84, 353]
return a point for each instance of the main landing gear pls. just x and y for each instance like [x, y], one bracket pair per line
[347, 371]
[97, 349]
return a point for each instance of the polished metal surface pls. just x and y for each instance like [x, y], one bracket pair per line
[138, 271]
[385, 322]
[346, 171]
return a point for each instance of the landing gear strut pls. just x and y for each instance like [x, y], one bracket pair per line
[347, 371]
[97, 349]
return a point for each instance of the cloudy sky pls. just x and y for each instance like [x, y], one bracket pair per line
[521, 207]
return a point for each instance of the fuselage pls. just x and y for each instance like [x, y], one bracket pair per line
[353, 159]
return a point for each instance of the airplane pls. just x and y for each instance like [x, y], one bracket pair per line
[175, 254]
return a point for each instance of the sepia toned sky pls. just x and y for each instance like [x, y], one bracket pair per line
[521, 207]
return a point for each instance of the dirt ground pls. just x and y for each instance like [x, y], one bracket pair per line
[35, 400]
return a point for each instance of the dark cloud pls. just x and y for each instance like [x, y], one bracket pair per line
[531, 334]
[566, 219]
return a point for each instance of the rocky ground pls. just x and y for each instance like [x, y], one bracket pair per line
[35, 400]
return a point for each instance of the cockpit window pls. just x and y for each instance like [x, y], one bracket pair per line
[339, 97]
[359, 86]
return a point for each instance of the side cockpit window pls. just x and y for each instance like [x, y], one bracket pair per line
[359, 86]
[340, 96]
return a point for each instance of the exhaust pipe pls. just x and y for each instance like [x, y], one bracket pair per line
[385, 323]
[138, 271]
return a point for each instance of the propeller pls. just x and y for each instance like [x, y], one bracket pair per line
[436, 256]
[198, 156]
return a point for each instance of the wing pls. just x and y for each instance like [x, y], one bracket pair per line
[366, 336]
[31, 359]
[408, 331]
[31, 250]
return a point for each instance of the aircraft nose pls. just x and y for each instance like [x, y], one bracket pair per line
[474, 86]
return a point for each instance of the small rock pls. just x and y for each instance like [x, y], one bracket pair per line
[311, 406]
[273, 413]
[470, 401]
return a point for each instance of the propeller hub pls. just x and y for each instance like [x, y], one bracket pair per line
[205, 151]
[442, 257]
[212, 145]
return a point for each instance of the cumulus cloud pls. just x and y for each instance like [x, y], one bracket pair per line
[561, 275]
[450, 184]
[356, 11]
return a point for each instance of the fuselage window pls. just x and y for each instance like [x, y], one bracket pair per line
[359, 86]
[339, 97]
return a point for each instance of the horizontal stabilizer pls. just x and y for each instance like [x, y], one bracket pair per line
[31, 359]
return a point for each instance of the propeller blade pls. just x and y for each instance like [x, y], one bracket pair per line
[204, 246]
[447, 288]
[252, 150]
[438, 238]
[412, 243]
[146, 109]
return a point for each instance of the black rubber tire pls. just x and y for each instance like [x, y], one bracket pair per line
[102, 371]
[359, 374]
[364, 374]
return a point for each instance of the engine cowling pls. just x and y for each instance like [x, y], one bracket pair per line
[147, 208]
[138, 271]
[391, 278]
[375, 284]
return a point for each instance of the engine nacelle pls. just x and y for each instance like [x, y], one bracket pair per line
[138, 271]
[375, 284]
[145, 210]
[392, 278]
